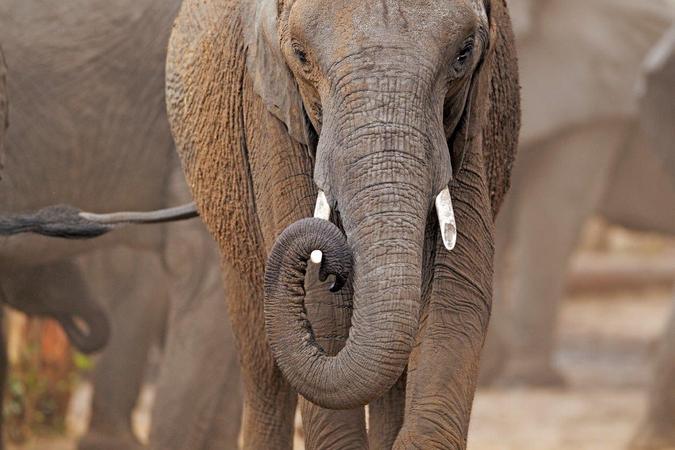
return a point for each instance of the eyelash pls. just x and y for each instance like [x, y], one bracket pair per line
[465, 53]
[300, 54]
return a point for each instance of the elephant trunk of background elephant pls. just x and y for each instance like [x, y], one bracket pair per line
[88, 329]
[380, 180]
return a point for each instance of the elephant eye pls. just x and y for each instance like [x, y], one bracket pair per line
[464, 54]
[300, 53]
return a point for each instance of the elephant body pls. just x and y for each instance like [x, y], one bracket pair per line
[593, 154]
[256, 126]
[657, 117]
[89, 128]
[4, 110]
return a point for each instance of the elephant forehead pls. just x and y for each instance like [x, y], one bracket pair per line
[272, 80]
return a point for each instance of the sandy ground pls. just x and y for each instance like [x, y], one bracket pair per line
[605, 348]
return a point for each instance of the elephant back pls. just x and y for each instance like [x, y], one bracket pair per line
[581, 60]
[86, 78]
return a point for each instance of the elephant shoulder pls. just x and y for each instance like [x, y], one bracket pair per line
[206, 69]
[203, 74]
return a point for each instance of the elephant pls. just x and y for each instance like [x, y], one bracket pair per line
[4, 110]
[401, 119]
[635, 167]
[657, 117]
[133, 287]
[580, 113]
[86, 83]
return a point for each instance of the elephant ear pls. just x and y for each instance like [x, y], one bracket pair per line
[469, 127]
[272, 79]
[491, 116]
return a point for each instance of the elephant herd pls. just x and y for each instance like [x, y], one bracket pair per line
[394, 123]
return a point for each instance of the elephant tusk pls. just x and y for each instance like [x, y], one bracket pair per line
[321, 211]
[317, 256]
[322, 208]
[446, 219]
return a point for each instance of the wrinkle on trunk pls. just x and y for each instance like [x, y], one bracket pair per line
[383, 192]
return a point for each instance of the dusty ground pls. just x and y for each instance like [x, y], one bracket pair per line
[605, 344]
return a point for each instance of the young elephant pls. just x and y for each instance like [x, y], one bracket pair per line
[381, 106]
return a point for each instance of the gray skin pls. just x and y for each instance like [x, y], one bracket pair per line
[133, 286]
[4, 116]
[4, 107]
[89, 128]
[385, 86]
[657, 118]
[635, 168]
[198, 402]
[580, 116]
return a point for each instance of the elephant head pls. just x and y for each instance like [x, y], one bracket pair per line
[58, 291]
[391, 93]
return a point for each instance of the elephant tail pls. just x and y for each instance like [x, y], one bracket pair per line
[67, 222]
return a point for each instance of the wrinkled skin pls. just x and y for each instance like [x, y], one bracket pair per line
[383, 127]
[88, 128]
[577, 119]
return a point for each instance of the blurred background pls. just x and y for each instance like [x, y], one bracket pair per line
[581, 350]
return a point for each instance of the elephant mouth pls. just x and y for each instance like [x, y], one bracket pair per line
[444, 212]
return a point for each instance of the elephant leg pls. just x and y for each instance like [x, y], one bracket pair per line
[386, 417]
[657, 431]
[269, 401]
[137, 301]
[443, 366]
[496, 348]
[329, 429]
[200, 366]
[558, 185]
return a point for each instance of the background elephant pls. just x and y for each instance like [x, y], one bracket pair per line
[4, 110]
[657, 118]
[615, 169]
[579, 115]
[257, 106]
[89, 128]
[3, 128]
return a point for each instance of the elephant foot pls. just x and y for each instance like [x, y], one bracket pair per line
[532, 375]
[651, 437]
[99, 441]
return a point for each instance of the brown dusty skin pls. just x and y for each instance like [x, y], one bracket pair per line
[251, 180]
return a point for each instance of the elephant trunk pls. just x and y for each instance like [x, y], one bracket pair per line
[383, 190]
[88, 329]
